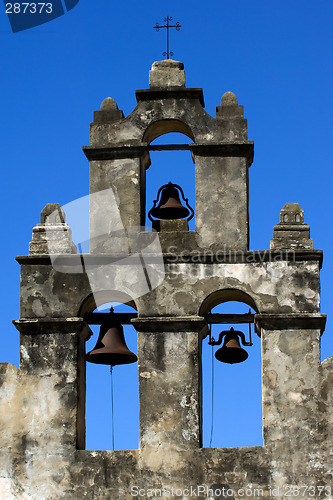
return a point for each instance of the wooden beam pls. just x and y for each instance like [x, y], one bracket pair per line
[219, 319]
[125, 318]
[168, 147]
[99, 318]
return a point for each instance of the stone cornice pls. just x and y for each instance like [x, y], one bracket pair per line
[170, 93]
[292, 321]
[196, 256]
[238, 149]
[114, 152]
[33, 326]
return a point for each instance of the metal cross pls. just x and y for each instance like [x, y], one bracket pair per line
[157, 27]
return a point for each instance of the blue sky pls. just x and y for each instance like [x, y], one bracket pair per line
[276, 56]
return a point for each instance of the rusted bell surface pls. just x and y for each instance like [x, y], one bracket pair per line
[111, 348]
[170, 206]
[231, 352]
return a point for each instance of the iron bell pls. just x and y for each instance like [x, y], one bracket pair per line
[170, 206]
[111, 348]
[231, 352]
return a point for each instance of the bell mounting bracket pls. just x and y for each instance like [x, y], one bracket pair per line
[212, 341]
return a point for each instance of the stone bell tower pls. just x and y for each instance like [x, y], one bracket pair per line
[42, 419]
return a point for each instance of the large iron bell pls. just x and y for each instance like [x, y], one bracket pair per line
[231, 352]
[170, 206]
[111, 348]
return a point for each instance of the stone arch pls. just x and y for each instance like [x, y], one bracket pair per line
[226, 295]
[158, 128]
[90, 373]
[96, 299]
[237, 411]
[165, 126]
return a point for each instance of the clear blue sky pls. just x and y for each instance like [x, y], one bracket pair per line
[276, 56]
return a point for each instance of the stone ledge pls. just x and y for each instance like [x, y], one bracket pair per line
[197, 256]
[227, 149]
[33, 326]
[291, 227]
[293, 321]
[114, 152]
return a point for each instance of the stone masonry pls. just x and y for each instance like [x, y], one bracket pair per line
[42, 415]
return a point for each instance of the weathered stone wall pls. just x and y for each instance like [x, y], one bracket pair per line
[42, 436]
[119, 156]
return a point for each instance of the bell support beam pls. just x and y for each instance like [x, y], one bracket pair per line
[220, 319]
[169, 352]
[126, 318]
[99, 318]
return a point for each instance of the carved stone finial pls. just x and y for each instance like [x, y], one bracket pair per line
[231, 118]
[52, 213]
[109, 112]
[291, 231]
[229, 99]
[52, 235]
[292, 213]
[109, 104]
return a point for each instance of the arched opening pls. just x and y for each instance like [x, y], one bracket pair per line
[232, 396]
[162, 127]
[171, 161]
[112, 426]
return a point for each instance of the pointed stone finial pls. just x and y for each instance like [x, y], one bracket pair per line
[52, 213]
[167, 73]
[292, 213]
[52, 235]
[109, 104]
[291, 232]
